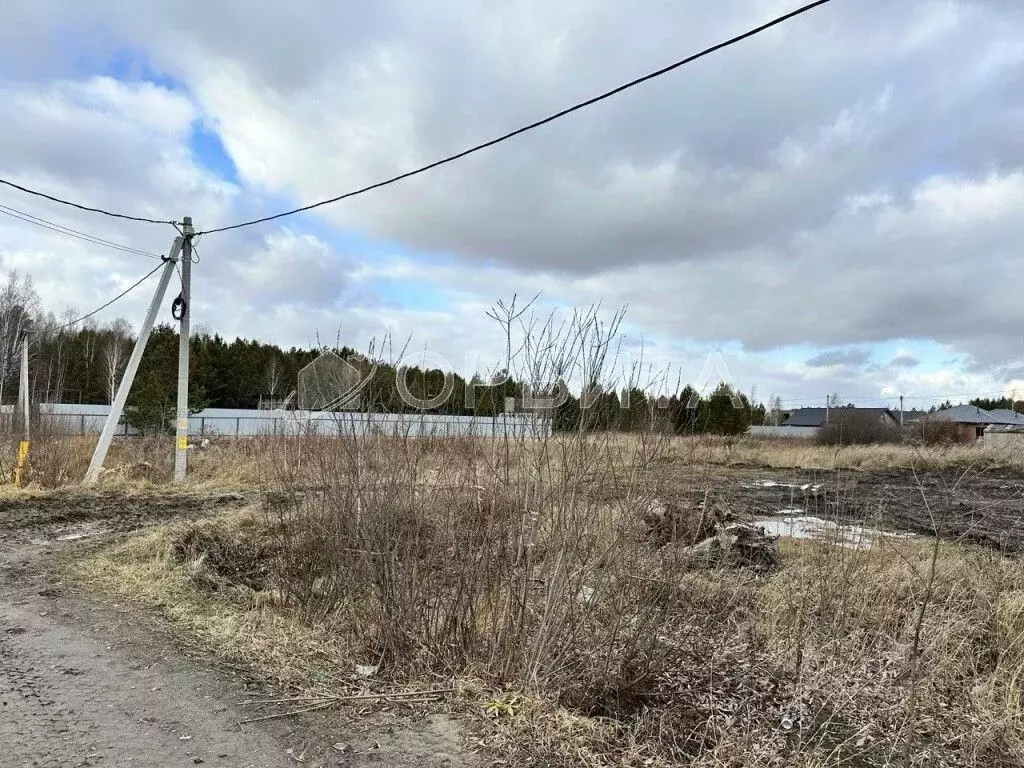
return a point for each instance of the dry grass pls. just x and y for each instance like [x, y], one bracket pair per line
[240, 463]
[525, 571]
[227, 618]
[805, 454]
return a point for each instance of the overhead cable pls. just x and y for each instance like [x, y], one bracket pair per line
[116, 298]
[81, 207]
[69, 232]
[536, 124]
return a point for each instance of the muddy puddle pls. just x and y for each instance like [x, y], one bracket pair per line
[797, 524]
[856, 507]
[794, 489]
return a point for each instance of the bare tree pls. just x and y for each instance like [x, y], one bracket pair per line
[18, 303]
[115, 354]
[49, 364]
[90, 340]
[273, 377]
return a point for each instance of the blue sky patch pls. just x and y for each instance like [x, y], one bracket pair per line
[132, 66]
[209, 150]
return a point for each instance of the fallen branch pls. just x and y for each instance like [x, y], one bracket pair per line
[290, 713]
[357, 697]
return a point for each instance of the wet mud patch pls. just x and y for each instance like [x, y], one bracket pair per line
[72, 515]
[984, 507]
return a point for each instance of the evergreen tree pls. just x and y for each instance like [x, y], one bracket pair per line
[687, 409]
[725, 412]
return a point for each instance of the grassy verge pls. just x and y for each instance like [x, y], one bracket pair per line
[904, 653]
[220, 615]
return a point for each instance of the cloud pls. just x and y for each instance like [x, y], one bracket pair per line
[834, 184]
[294, 265]
[840, 357]
[904, 360]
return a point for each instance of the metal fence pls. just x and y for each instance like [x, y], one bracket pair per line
[769, 431]
[88, 420]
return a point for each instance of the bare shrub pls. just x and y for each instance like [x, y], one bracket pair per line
[512, 557]
[853, 428]
[54, 456]
[559, 572]
[937, 432]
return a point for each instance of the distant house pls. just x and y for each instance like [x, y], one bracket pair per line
[819, 417]
[1007, 417]
[910, 416]
[970, 419]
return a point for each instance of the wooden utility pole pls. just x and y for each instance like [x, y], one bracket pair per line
[181, 430]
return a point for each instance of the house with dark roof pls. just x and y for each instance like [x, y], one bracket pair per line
[819, 417]
[911, 415]
[1006, 417]
[971, 420]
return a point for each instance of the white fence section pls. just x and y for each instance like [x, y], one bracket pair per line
[782, 431]
[88, 420]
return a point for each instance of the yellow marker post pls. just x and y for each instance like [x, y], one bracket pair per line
[22, 462]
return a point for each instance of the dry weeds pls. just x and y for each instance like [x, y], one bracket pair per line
[529, 576]
[58, 460]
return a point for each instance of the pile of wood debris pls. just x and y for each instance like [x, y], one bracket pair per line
[707, 532]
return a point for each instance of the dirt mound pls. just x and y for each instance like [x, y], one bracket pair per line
[741, 546]
[705, 533]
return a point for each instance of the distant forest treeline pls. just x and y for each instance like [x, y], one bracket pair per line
[83, 363]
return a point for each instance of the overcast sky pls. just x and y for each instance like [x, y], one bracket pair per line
[834, 206]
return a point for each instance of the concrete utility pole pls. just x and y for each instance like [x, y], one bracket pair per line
[117, 407]
[828, 401]
[24, 397]
[901, 410]
[23, 401]
[181, 432]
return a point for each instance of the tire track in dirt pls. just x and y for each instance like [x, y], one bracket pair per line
[67, 700]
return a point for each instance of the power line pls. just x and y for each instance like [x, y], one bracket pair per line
[531, 126]
[116, 298]
[68, 231]
[81, 207]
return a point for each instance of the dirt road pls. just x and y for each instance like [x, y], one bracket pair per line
[84, 684]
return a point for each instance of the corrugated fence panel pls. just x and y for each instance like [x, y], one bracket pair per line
[89, 419]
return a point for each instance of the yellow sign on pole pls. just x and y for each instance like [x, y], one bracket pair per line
[182, 443]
